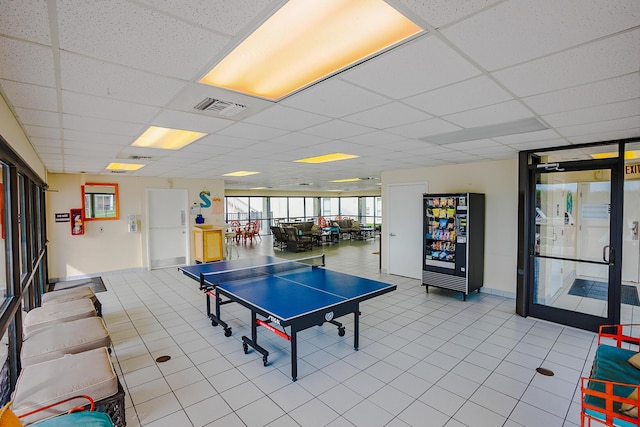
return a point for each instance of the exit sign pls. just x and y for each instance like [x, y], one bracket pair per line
[632, 171]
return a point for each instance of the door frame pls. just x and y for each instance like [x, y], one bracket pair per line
[149, 214]
[529, 166]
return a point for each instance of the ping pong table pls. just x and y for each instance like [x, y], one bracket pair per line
[280, 293]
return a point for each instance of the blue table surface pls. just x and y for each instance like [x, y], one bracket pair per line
[289, 295]
[194, 271]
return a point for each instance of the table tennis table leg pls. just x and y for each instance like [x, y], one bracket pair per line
[215, 318]
[253, 342]
[294, 355]
[356, 328]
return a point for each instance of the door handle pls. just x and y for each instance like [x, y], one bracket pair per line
[392, 234]
[604, 254]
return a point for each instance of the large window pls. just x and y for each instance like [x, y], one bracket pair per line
[349, 207]
[296, 208]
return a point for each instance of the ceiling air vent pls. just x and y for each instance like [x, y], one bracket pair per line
[224, 108]
[118, 171]
[134, 157]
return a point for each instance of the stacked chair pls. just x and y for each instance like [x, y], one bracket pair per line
[66, 355]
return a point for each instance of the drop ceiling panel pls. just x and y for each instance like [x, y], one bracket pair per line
[249, 131]
[540, 135]
[46, 142]
[30, 96]
[388, 115]
[595, 114]
[42, 132]
[99, 78]
[28, 20]
[611, 57]
[424, 128]
[441, 12]
[127, 34]
[418, 66]
[97, 137]
[298, 139]
[92, 124]
[601, 126]
[467, 95]
[473, 146]
[26, 62]
[220, 16]
[105, 108]
[37, 117]
[190, 121]
[606, 136]
[334, 98]
[493, 114]
[286, 118]
[604, 92]
[337, 129]
[517, 31]
[376, 138]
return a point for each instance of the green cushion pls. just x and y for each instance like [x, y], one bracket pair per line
[83, 419]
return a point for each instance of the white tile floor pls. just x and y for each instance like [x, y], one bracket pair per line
[424, 359]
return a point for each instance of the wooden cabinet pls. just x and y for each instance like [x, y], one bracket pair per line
[208, 243]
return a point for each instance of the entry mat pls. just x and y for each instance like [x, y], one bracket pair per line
[96, 284]
[598, 290]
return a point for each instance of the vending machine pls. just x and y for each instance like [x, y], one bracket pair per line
[453, 242]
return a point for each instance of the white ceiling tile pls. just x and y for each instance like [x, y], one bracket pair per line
[474, 145]
[493, 114]
[388, 115]
[517, 30]
[93, 124]
[97, 137]
[611, 57]
[377, 138]
[441, 12]
[527, 137]
[249, 131]
[221, 16]
[28, 20]
[30, 96]
[45, 151]
[421, 65]
[337, 129]
[190, 121]
[42, 132]
[282, 117]
[334, 98]
[467, 95]
[299, 139]
[99, 78]
[37, 117]
[26, 62]
[105, 108]
[46, 142]
[425, 128]
[77, 148]
[125, 33]
[605, 136]
[604, 92]
[601, 126]
[595, 114]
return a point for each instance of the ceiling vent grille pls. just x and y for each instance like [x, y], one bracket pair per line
[135, 157]
[224, 108]
[118, 171]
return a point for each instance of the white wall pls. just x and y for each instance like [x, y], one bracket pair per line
[498, 180]
[114, 248]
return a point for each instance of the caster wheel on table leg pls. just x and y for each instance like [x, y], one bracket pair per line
[214, 323]
[245, 347]
[264, 360]
[341, 332]
[227, 332]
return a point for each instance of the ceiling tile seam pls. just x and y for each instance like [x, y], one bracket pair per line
[52, 10]
[524, 98]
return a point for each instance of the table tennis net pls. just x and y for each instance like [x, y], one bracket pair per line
[264, 270]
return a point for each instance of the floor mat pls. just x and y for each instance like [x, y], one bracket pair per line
[96, 284]
[598, 290]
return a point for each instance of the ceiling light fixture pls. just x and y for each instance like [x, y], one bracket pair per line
[346, 180]
[306, 41]
[333, 157]
[491, 131]
[240, 173]
[166, 138]
[124, 166]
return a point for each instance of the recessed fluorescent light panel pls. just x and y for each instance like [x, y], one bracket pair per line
[166, 138]
[346, 180]
[333, 157]
[481, 132]
[306, 41]
[240, 173]
[124, 166]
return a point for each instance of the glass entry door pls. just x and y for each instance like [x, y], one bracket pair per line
[572, 259]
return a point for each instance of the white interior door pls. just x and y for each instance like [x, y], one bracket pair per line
[167, 228]
[403, 223]
[630, 233]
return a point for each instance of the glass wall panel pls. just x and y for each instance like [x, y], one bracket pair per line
[4, 191]
[279, 211]
[296, 208]
[311, 208]
[330, 207]
[237, 208]
[349, 207]
[630, 234]
[22, 223]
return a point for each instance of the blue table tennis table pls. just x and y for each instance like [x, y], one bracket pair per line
[294, 294]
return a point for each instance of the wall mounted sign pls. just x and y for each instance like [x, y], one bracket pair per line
[632, 171]
[63, 217]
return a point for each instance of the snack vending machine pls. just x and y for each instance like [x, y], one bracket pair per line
[453, 242]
